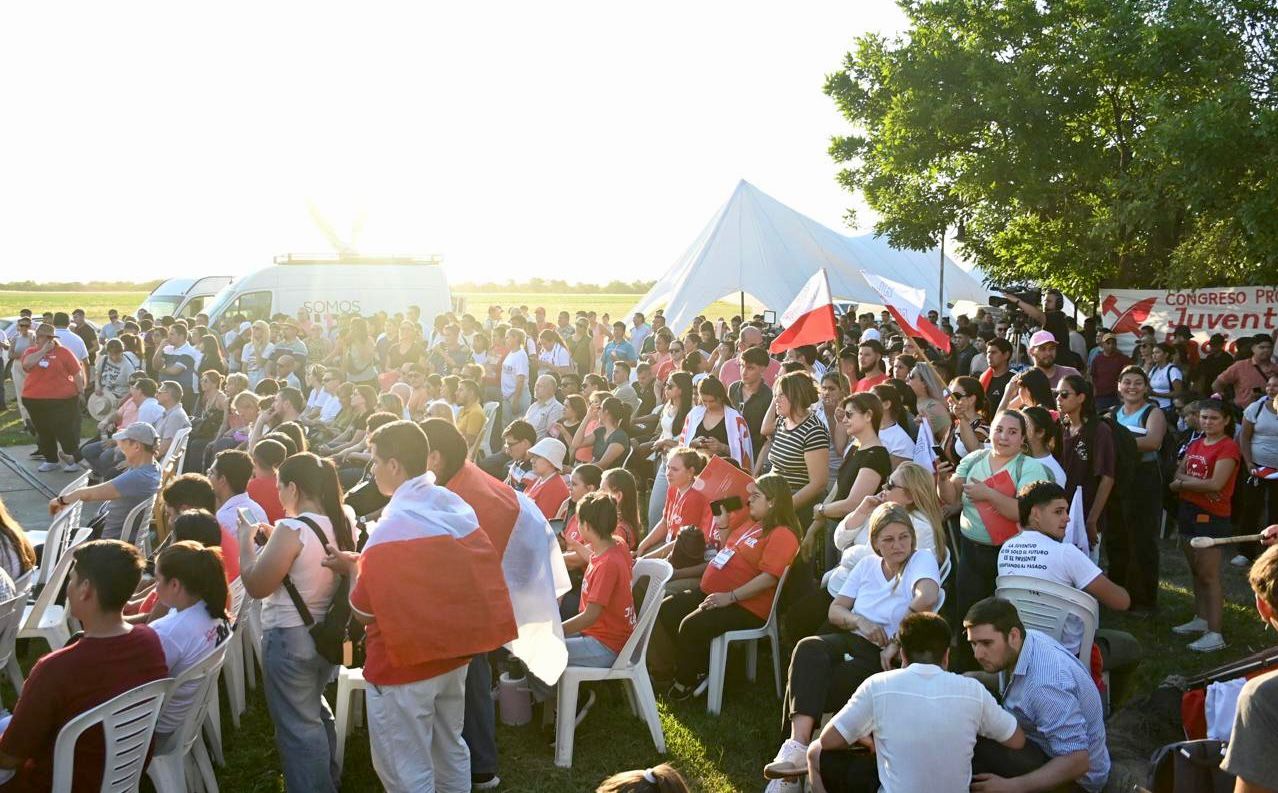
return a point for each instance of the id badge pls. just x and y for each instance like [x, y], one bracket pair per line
[44, 363]
[720, 559]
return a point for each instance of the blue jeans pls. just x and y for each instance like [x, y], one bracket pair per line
[657, 501]
[294, 677]
[582, 651]
[479, 730]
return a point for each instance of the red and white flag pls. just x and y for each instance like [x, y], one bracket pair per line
[810, 318]
[905, 304]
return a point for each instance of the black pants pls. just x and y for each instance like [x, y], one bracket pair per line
[821, 679]
[1131, 540]
[1260, 504]
[850, 771]
[693, 630]
[990, 757]
[57, 423]
[806, 615]
[973, 582]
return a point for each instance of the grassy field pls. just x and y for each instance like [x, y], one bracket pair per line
[96, 304]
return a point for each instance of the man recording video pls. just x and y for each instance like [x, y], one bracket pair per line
[1051, 318]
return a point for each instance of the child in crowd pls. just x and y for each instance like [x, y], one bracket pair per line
[268, 456]
[658, 779]
[621, 487]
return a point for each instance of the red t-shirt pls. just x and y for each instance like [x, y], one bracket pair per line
[53, 377]
[266, 492]
[1200, 463]
[751, 552]
[623, 534]
[866, 383]
[607, 582]
[687, 509]
[64, 684]
[549, 495]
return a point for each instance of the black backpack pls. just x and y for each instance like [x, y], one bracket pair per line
[337, 627]
[1126, 455]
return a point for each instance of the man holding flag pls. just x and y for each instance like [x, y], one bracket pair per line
[430, 589]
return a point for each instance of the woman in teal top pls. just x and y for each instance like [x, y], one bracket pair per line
[978, 552]
[1131, 544]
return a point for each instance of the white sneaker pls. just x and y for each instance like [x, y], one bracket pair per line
[1196, 625]
[72, 468]
[791, 761]
[1240, 561]
[784, 786]
[1208, 642]
[45, 468]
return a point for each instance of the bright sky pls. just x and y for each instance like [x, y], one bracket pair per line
[565, 139]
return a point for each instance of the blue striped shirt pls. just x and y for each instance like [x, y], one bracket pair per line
[1056, 702]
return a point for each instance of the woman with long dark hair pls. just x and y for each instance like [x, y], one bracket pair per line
[294, 673]
[1132, 547]
[716, 428]
[610, 441]
[211, 357]
[970, 427]
[1087, 451]
[737, 587]
[1043, 439]
[16, 554]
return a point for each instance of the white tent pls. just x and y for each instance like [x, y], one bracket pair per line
[757, 245]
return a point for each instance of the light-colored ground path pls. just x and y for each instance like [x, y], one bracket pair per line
[26, 493]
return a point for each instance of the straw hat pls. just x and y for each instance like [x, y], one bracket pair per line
[101, 406]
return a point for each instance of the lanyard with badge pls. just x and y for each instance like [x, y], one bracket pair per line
[726, 553]
[673, 529]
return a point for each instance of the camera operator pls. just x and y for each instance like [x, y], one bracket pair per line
[1052, 319]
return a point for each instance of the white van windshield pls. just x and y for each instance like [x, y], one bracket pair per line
[162, 305]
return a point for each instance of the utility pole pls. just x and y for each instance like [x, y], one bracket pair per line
[941, 313]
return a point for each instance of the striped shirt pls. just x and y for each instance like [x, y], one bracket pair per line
[790, 445]
[1057, 704]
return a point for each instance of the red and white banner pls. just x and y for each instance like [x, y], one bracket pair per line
[810, 318]
[1232, 310]
[905, 304]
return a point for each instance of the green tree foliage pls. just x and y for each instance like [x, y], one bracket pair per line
[1075, 142]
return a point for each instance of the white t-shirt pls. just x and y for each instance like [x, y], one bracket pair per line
[915, 750]
[1034, 554]
[314, 582]
[1161, 379]
[885, 602]
[187, 636]
[318, 398]
[1053, 468]
[897, 441]
[331, 407]
[254, 365]
[516, 364]
[72, 341]
[556, 356]
[854, 541]
[151, 412]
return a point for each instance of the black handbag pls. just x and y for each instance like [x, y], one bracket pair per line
[337, 627]
[1189, 767]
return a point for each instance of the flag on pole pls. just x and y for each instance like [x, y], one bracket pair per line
[810, 318]
[905, 304]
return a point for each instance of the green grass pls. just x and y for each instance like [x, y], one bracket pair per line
[96, 304]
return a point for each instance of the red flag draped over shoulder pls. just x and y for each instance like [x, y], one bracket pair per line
[810, 318]
[428, 543]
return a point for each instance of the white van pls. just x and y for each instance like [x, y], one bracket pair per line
[184, 297]
[328, 286]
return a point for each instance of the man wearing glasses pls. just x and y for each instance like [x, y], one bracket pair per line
[1105, 368]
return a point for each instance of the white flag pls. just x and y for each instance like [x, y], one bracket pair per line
[1076, 530]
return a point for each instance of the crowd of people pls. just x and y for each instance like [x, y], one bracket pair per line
[334, 465]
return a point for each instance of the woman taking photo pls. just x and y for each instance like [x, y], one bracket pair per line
[1044, 435]
[1204, 481]
[799, 449]
[294, 673]
[738, 585]
[896, 580]
[927, 386]
[685, 505]
[1087, 451]
[1132, 547]
[966, 486]
[609, 443]
[670, 423]
[715, 428]
[970, 428]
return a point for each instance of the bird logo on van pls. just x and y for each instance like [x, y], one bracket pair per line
[1128, 321]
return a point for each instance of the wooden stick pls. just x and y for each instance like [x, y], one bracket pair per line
[1208, 542]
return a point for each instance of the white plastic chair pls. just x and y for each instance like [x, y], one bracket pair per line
[176, 453]
[128, 722]
[1046, 605]
[45, 619]
[183, 754]
[55, 540]
[349, 681]
[11, 612]
[233, 668]
[137, 523]
[485, 436]
[719, 652]
[631, 668]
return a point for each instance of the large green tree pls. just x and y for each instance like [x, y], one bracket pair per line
[1076, 143]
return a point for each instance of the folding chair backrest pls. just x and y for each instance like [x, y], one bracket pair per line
[128, 722]
[239, 600]
[177, 449]
[1046, 606]
[136, 523]
[55, 540]
[657, 572]
[204, 674]
[776, 598]
[23, 583]
[57, 578]
[10, 620]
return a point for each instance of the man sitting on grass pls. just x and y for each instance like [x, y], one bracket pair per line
[111, 657]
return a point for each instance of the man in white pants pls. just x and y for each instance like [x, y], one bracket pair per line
[429, 587]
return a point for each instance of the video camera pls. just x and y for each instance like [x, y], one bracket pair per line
[1029, 294]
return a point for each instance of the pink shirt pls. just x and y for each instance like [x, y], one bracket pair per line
[730, 372]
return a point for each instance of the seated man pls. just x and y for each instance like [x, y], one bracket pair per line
[111, 657]
[1052, 697]
[888, 711]
[174, 419]
[1256, 720]
[137, 483]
